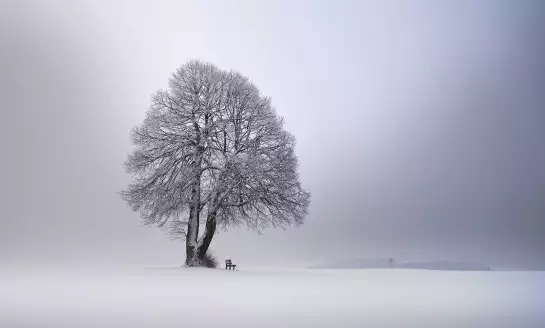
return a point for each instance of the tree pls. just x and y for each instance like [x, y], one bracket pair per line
[212, 149]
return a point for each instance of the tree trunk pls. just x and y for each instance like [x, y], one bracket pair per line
[209, 232]
[191, 258]
[192, 235]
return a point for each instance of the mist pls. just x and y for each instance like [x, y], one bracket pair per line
[420, 125]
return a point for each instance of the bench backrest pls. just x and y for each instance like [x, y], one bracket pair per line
[228, 262]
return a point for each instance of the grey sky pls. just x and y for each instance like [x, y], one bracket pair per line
[420, 124]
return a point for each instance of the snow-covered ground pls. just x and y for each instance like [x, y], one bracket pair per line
[176, 297]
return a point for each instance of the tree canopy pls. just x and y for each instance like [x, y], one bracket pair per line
[212, 150]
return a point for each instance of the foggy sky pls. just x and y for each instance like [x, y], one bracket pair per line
[420, 125]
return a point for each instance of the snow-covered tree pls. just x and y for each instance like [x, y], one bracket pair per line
[212, 149]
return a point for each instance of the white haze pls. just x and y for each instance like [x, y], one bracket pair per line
[419, 125]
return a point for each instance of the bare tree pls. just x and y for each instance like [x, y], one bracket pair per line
[212, 148]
